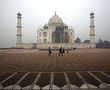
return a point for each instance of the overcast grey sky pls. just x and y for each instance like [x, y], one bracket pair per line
[36, 13]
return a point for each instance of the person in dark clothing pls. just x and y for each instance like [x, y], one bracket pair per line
[61, 51]
[49, 51]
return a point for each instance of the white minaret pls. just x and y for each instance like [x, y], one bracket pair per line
[19, 30]
[92, 30]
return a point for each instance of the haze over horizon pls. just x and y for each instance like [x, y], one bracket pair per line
[36, 13]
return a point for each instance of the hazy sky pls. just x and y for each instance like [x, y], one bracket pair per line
[36, 13]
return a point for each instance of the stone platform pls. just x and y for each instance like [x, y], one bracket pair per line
[82, 80]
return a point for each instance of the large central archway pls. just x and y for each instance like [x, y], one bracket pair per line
[59, 35]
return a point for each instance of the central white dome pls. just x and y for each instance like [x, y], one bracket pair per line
[55, 20]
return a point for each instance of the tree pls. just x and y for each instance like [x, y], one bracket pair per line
[100, 41]
[103, 44]
[100, 44]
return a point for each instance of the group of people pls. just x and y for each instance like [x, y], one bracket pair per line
[61, 51]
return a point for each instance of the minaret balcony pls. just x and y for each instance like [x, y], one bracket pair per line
[18, 35]
[92, 34]
[92, 26]
[19, 26]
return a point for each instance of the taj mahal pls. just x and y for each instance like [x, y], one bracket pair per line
[55, 34]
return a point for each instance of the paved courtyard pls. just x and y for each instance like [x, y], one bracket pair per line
[80, 69]
[55, 81]
[39, 61]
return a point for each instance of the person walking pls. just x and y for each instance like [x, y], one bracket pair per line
[61, 51]
[49, 51]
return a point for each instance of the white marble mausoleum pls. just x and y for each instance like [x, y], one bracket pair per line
[55, 34]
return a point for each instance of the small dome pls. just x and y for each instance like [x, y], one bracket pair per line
[19, 14]
[46, 26]
[92, 14]
[55, 20]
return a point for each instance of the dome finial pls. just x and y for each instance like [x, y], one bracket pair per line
[55, 19]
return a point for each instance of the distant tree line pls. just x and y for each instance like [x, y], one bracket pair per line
[99, 44]
[103, 44]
